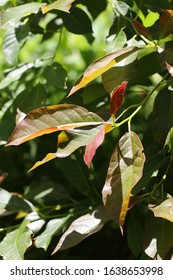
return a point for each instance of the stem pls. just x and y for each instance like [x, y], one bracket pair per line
[142, 103]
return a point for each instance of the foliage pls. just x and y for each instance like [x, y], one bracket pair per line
[99, 151]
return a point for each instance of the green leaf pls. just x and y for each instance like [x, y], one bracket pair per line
[75, 138]
[169, 141]
[164, 210]
[55, 75]
[49, 119]
[102, 65]
[13, 203]
[94, 7]
[77, 21]
[157, 237]
[53, 227]
[125, 170]
[15, 243]
[161, 119]
[82, 227]
[13, 41]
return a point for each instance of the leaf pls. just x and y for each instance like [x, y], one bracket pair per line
[62, 5]
[72, 140]
[116, 97]
[164, 210]
[157, 236]
[169, 141]
[49, 119]
[125, 170]
[169, 68]
[92, 146]
[143, 30]
[55, 75]
[12, 16]
[15, 243]
[102, 65]
[53, 227]
[13, 203]
[13, 41]
[82, 227]
[77, 21]
[166, 23]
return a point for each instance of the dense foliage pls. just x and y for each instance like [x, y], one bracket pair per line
[86, 96]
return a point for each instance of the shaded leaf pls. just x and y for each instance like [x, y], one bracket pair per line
[164, 210]
[92, 146]
[169, 141]
[53, 227]
[15, 243]
[82, 227]
[166, 23]
[49, 119]
[143, 30]
[13, 203]
[157, 236]
[102, 65]
[55, 75]
[77, 21]
[116, 97]
[125, 170]
[73, 139]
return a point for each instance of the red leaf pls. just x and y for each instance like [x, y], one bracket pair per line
[144, 31]
[166, 23]
[92, 146]
[117, 97]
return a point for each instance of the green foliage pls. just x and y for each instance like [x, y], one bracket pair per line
[98, 150]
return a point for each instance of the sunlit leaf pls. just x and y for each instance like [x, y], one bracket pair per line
[102, 65]
[92, 146]
[71, 140]
[125, 170]
[169, 68]
[49, 119]
[53, 227]
[116, 97]
[164, 210]
[166, 23]
[169, 141]
[62, 5]
[82, 227]
[17, 241]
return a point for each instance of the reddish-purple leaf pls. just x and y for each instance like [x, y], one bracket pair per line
[117, 97]
[166, 23]
[92, 146]
[143, 30]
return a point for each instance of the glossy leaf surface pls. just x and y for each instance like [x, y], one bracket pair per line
[125, 170]
[102, 65]
[49, 119]
[82, 228]
[116, 97]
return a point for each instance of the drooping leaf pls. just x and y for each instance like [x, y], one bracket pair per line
[72, 140]
[53, 227]
[157, 236]
[125, 170]
[82, 227]
[102, 65]
[49, 119]
[16, 242]
[13, 203]
[169, 141]
[164, 210]
[92, 146]
[116, 97]
[166, 23]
